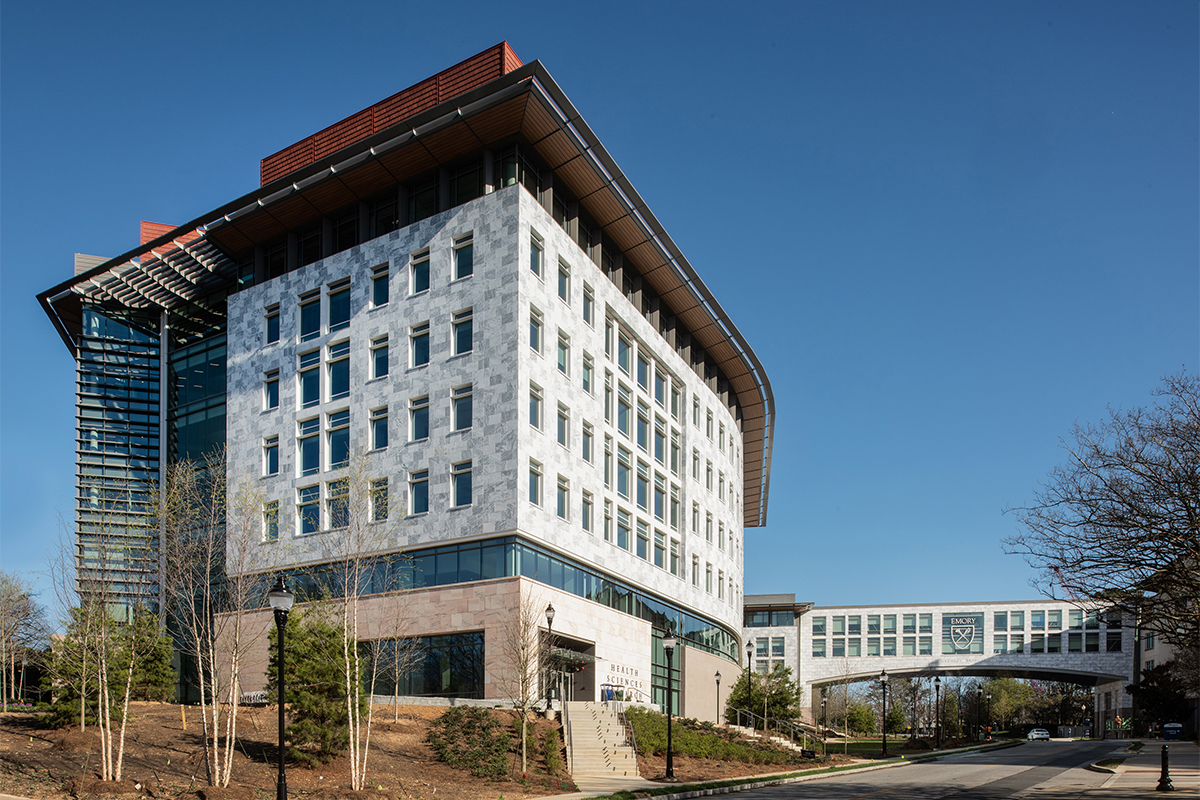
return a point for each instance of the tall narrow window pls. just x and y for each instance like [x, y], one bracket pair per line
[564, 283]
[643, 426]
[588, 373]
[418, 492]
[337, 503]
[660, 440]
[643, 486]
[643, 374]
[379, 357]
[608, 521]
[564, 426]
[608, 461]
[585, 512]
[535, 482]
[271, 455]
[339, 439]
[624, 353]
[535, 254]
[308, 445]
[660, 389]
[308, 509]
[535, 330]
[380, 292]
[418, 418]
[586, 442]
[310, 317]
[564, 354]
[379, 500]
[660, 550]
[464, 256]
[419, 273]
[535, 406]
[624, 410]
[463, 325]
[271, 521]
[418, 337]
[624, 529]
[379, 428]
[271, 390]
[624, 472]
[339, 370]
[310, 379]
[273, 327]
[643, 540]
[589, 305]
[660, 497]
[460, 483]
[562, 505]
[676, 400]
[339, 306]
[461, 402]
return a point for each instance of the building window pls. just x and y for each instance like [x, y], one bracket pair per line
[463, 324]
[339, 306]
[660, 497]
[624, 471]
[419, 273]
[273, 329]
[418, 337]
[535, 330]
[1149, 641]
[339, 440]
[643, 426]
[1075, 618]
[675, 565]
[337, 504]
[310, 317]
[461, 402]
[608, 461]
[418, 492]
[1037, 620]
[818, 648]
[643, 486]
[585, 512]
[1054, 620]
[586, 442]
[1000, 644]
[660, 440]
[1113, 641]
[535, 406]
[564, 426]
[695, 464]
[608, 396]
[708, 475]
[379, 357]
[379, 287]
[562, 503]
[660, 389]
[660, 550]
[624, 529]
[308, 509]
[564, 354]
[708, 428]
[535, 254]
[379, 500]
[696, 571]
[308, 445]
[271, 455]
[643, 541]
[624, 353]
[271, 521]
[608, 521]
[464, 256]
[535, 482]
[708, 528]
[676, 399]
[564, 283]
[696, 412]
[339, 370]
[624, 410]
[379, 428]
[587, 374]
[643, 374]
[460, 483]
[675, 449]
[589, 305]
[1016, 621]
[1016, 643]
[310, 379]
[271, 390]
[708, 577]
[418, 418]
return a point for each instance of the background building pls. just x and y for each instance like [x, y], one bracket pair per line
[456, 296]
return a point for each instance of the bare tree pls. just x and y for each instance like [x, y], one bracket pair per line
[22, 628]
[212, 525]
[521, 651]
[1120, 521]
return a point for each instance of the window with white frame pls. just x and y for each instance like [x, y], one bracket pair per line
[418, 344]
[535, 330]
[308, 509]
[587, 441]
[708, 577]
[271, 521]
[309, 379]
[463, 331]
[660, 440]
[271, 455]
[564, 353]
[535, 406]
[379, 500]
[308, 445]
[379, 428]
[643, 540]
[624, 472]
[310, 316]
[564, 283]
[660, 389]
[339, 305]
[624, 529]
[695, 464]
[643, 486]
[624, 353]
[563, 428]
[660, 550]
[337, 503]
[643, 373]
[461, 407]
[675, 449]
[271, 390]
[562, 505]
[418, 418]
[380, 290]
[674, 565]
[643, 427]
[696, 571]
[708, 528]
[338, 433]
[608, 521]
[589, 305]
[418, 492]
[535, 253]
[660, 497]
[585, 512]
[460, 483]
[608, 461]
[608, 397]
[419, 273]
[272, 333]
[464, 256]
[379, 356]
[708, 427]
[339, 370]
[587, 375]
[535, 482]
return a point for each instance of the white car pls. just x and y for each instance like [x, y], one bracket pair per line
[1038, 733]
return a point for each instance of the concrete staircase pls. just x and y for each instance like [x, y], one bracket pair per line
[600, 747]
[780, 741]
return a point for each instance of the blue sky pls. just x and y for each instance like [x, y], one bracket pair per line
[949, 230]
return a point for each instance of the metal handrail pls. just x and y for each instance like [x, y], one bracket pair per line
[627, 726]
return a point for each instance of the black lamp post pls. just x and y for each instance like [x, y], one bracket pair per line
[549, 646]
[281, 600]
[937, 710]
[978, 708]
[750, 682]
[718, 677]
[669, 646]
[883, 681]
[824, 727]
[987, 718]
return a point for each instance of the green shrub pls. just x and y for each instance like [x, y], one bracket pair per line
[551, 749]
[471, 738]
[688, 738]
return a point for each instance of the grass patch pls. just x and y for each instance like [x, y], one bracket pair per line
[1110, 762]
[1136, 746]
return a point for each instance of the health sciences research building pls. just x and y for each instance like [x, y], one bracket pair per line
[460, 283]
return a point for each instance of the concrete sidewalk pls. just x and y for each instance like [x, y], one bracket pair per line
[1140, 772]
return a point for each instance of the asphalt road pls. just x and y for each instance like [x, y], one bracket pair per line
[1034, 769]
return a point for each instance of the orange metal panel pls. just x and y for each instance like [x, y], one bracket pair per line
[603, 207]
[580, 177]
[538, 123]
[556, 149]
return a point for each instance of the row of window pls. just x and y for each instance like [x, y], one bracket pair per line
[1012, 644]
[337, 432]
[335, 298]
[1001, 620]
[768, 654]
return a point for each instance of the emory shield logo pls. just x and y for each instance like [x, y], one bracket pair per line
[962, 636]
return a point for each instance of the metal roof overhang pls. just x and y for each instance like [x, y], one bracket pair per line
[193, 260]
